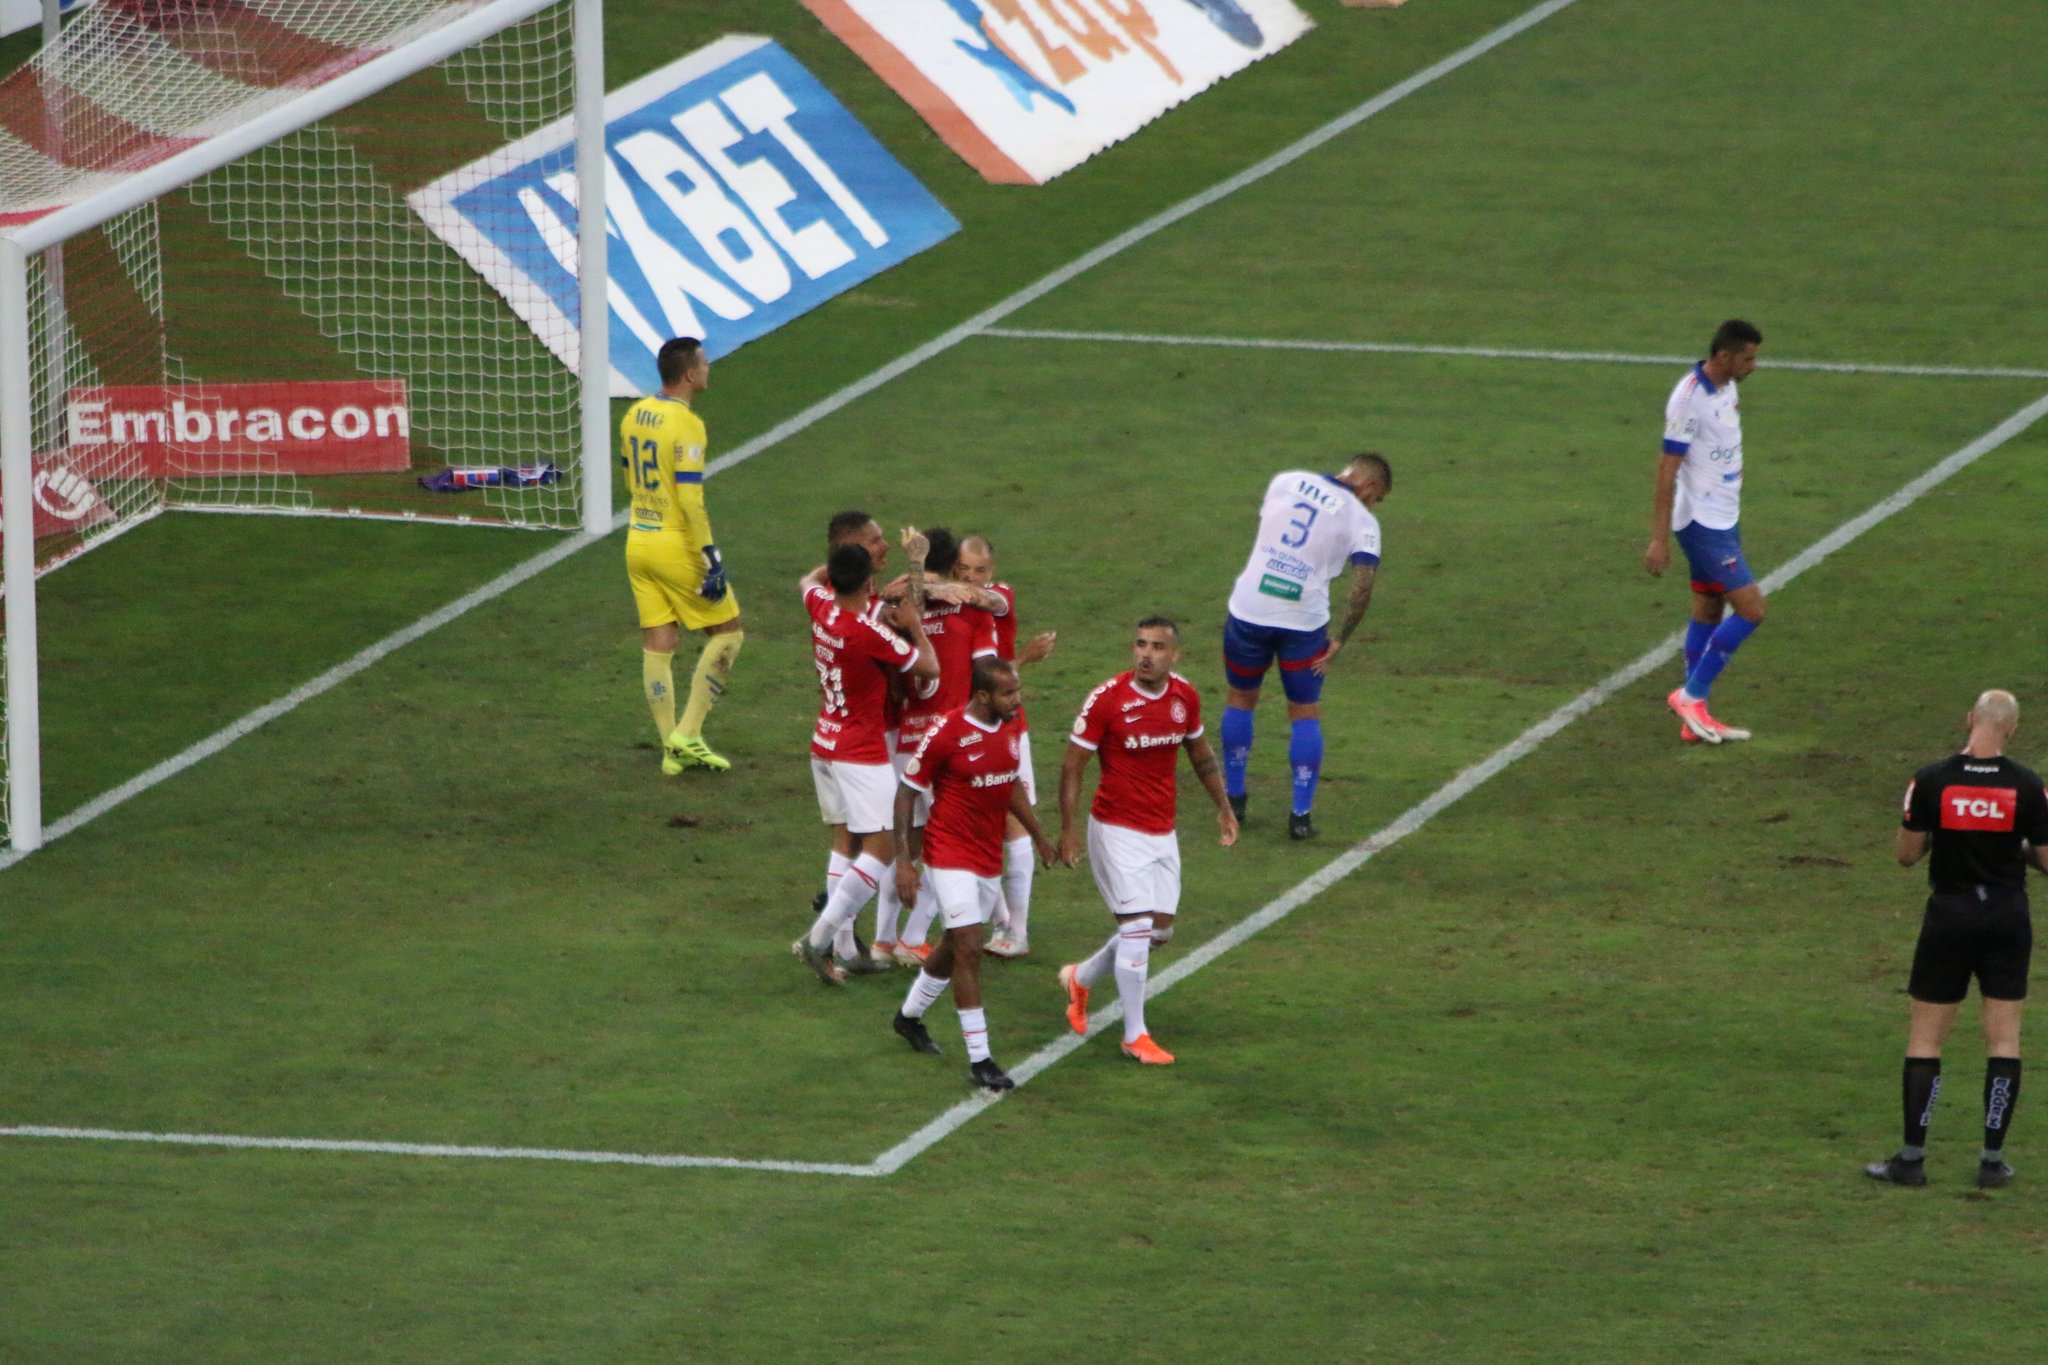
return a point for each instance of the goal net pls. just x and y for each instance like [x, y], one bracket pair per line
[214, 296]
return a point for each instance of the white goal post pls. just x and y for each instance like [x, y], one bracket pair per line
[228, 125]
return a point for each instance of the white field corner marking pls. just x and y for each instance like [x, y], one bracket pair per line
[803, 420]
[1463, 784]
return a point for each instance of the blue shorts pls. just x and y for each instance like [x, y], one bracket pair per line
[1249, 650]
[1715, 557]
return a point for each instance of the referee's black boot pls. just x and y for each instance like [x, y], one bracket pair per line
[1896, 1170]
[1993, 1175]
[1300, 826]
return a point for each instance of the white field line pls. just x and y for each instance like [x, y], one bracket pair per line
[1338, 868]
[444, 1150]
[1464, 783]
[807, 418]
[1500, 353]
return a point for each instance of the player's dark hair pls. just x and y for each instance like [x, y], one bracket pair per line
[943, 554]
[1162, 622]
[676, 356]
[1376, 464]
[848, 568]
[1733, 335]
[989, 671]
[845, 526]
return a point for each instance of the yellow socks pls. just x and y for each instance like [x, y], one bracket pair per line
[707, 683]
[658, 680]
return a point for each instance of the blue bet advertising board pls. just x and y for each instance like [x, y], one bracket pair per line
[739, 194]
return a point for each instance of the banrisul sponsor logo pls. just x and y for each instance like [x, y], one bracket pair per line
[738, 194]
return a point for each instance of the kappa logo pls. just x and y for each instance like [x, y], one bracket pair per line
[1978, 808]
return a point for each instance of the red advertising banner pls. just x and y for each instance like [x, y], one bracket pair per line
[66, 502]
[348, 426]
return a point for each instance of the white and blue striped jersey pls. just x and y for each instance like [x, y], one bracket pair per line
[1703, 423]
[1310, 528]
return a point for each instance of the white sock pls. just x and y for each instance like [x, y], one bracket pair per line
[974, 1028]
[1097, 965]
[1133, 960]
[843, 945]
[923, 994]
[835, 868]
[856, 888]
[1020, 863]
[888, 906]
[920, 922]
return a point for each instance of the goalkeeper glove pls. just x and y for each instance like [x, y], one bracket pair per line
[713, 589]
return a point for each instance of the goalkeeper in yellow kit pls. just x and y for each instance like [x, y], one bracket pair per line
[671, 559]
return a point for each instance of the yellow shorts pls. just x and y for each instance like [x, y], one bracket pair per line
[666, 575]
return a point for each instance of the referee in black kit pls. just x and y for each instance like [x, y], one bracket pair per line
[1986, 818]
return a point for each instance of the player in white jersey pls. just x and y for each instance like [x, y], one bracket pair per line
[1699, 496]
[1311, 526]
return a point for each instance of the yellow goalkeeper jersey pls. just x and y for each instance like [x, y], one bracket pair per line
[661, 444]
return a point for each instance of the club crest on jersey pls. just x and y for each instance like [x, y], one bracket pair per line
[1016, 747]
[1179, 712]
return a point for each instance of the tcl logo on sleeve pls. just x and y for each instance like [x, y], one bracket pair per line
[1978, 807]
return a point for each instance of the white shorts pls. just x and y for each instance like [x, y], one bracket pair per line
[964, 898]
[860, 796]
[922, 811]
[1138, 874]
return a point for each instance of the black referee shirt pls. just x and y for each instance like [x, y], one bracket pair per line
[1978, 810]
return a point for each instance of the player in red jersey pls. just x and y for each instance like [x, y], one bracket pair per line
[1134, 723]
[967, 767]
[957, 621]
[854, 527]
[1012, 921]
[850, 763]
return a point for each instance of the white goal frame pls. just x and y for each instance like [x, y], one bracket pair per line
[19, 244]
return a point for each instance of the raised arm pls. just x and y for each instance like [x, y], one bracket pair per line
[1203, 759]
[967, 595]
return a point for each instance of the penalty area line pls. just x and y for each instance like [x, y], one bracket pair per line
[1420, 814]
[810, 416]
[1498, 353]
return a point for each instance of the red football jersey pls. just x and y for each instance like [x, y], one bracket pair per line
[1006, 633]
[969, 769]
[853, 655]
[958, 635]
[1137, 736]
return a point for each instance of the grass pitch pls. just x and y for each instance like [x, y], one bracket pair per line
[1583, 1070]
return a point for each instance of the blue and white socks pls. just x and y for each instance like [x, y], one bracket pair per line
[1305, 758]
[1724, 640]
[1237, 748]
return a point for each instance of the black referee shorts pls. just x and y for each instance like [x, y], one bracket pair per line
[1963, 934]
